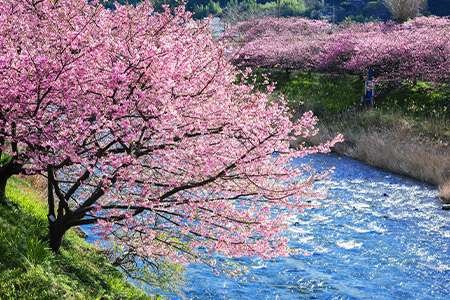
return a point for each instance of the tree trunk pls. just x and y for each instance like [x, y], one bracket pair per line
[6, 171]
[57, 230]
[3, 181]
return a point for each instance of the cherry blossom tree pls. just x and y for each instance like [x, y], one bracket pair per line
[287, 43]
[417, 50]
[137, 122]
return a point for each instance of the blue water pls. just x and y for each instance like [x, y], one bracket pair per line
[380, 236]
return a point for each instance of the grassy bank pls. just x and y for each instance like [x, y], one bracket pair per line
[408, 132]
[28, 270]
[392, 142]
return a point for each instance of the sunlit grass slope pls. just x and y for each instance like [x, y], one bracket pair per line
[29, 270]
[408, 132]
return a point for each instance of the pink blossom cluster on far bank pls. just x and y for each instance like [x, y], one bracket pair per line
[417, 50]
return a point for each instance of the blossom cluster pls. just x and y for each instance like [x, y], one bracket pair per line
[418, 50]
[137, 121]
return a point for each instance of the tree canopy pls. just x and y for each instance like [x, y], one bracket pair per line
[417, 50]
[137, 122]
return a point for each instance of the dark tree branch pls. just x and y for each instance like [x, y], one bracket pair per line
[63, 204]
[77, 184]
[50, 196]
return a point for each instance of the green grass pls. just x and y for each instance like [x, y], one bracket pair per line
[422, 108]
[322, 93]
[29, 270]
[420, 100]
[407, 132]
[337, 93]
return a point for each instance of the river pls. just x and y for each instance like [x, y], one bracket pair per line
[379, 236]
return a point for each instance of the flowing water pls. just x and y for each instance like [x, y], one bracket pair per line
[380, 236]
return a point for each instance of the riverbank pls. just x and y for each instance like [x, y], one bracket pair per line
[29, 270]
[407, 133]
[394, 143]
[376, 229]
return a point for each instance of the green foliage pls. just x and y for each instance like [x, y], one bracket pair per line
[29, 270]
[204, 10]
[169, 277]
[161, 275]
[288, 8]
[5, 159]
[421, 108]
[328, 95]
[418, 100]
[36, 251]
[322, 93]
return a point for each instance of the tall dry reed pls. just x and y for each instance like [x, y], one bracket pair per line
[396, 150]
[444, 192]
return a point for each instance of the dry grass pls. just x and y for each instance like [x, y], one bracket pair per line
[397, 149]
[39, 184]
[444, 192]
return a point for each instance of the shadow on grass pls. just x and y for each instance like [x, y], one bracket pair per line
[29, 270]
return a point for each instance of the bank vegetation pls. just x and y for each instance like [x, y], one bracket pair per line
[406, 131]
[29, 270]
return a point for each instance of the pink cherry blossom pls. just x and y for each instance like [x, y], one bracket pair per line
[136, 120]
[418, 50]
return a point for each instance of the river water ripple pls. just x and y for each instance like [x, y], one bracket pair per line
[380, 236]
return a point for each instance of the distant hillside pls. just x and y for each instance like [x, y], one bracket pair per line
[335, 10]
